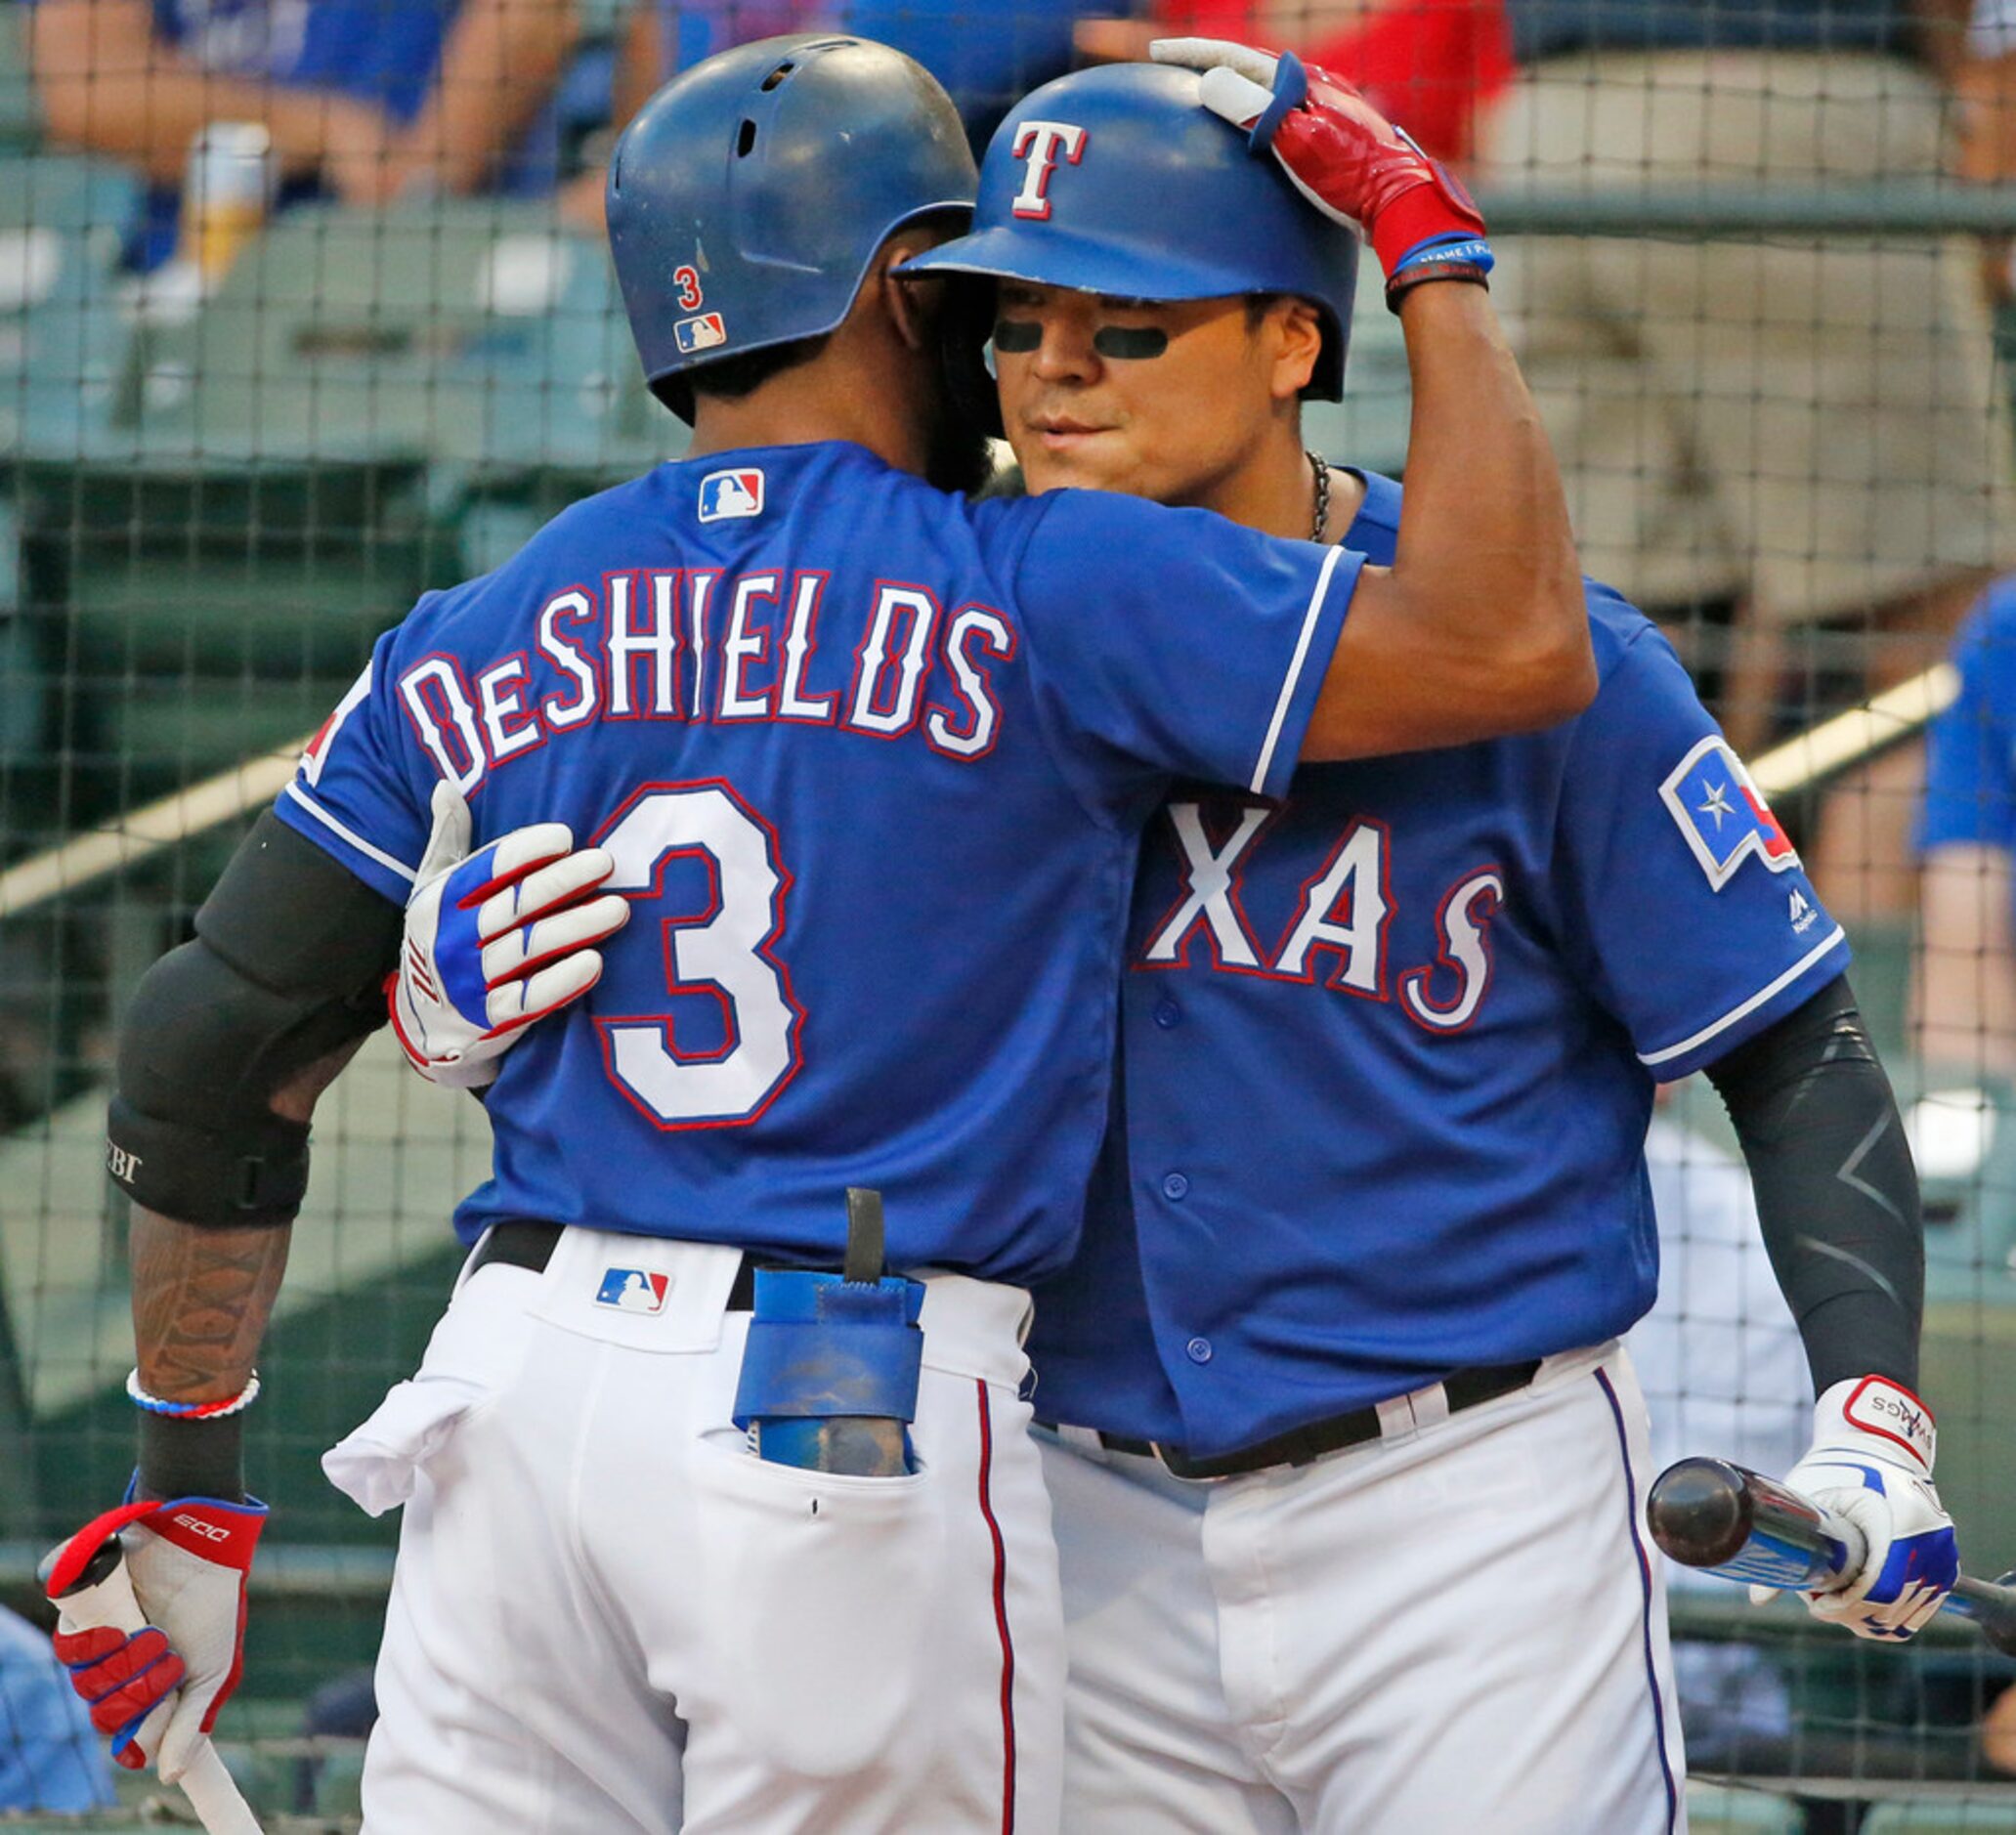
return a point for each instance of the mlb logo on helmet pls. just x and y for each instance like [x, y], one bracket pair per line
[1721, 815]
[738, 492]
[701, 332]
[633, 1290]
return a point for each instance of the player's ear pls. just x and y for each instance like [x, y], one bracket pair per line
[910, 307]
[1293, 331]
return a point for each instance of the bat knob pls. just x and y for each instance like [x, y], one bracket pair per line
[1698, 1512]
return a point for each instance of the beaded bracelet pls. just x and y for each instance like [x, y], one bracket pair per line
[193, 1411]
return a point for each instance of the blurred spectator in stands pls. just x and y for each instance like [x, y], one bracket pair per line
[365, 100]
[987, 53]
[1723, 1374]
[1987, 91]
[51, 1758]
[1966, 983]
[1807, 431]
[1428, 65]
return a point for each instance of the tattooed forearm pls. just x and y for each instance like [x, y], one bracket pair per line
[202, 1298]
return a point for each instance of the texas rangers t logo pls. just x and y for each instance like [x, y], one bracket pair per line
[1721, 815]
[1037, 144]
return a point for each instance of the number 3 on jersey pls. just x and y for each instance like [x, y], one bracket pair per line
[723, 951]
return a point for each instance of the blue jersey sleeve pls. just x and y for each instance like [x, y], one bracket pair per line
[363, 788]
[1686, 911]
[1970, 767]
[1175, 642]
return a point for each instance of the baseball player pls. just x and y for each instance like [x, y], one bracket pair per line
[865, 765]
[1351, 1471]
[1349, 1467]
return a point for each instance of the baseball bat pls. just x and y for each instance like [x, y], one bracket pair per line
[1718, 1516]
[104, 1596]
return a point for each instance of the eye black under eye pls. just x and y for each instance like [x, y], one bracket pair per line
[1017, 337]
[1130, 342]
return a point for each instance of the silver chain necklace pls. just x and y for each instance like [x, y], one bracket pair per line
[1321, 467]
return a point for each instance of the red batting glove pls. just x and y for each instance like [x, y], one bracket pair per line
[156, 1688]
[1346, 158]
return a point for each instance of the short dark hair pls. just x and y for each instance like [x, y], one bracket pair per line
[730, 378]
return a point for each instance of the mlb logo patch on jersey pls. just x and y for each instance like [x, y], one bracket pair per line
[633, 1290]
[739, 493]
[701, 332]
[1721, 815]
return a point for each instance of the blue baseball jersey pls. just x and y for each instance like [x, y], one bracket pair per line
[1970, 774]
[1389, 1051]
[873, 763]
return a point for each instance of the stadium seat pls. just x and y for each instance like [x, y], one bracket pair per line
[61, 333]
[1944, 1816]
[1721, 1810]
[468, 331]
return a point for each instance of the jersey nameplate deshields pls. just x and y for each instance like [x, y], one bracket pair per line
[872, 762]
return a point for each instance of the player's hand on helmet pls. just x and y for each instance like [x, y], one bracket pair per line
[1872, 1462]
[495, 940]
[156, 1691]
[1344, 157]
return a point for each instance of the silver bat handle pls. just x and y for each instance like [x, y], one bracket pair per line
[104, 1597]
[1728, 1521]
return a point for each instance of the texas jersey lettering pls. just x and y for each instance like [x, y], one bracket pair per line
[1503, 945]
[968, 710]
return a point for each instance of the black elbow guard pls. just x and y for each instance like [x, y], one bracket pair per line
[289, 954]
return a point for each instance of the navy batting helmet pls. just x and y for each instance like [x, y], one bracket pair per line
[1118, 180]
[748, 199]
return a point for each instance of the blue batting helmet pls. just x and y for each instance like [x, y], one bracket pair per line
[1118, 180]
[748, 199]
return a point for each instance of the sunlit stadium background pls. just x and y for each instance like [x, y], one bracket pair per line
[216, 488]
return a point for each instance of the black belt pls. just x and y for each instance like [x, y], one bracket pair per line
[1298, 1446]
[531, 1246]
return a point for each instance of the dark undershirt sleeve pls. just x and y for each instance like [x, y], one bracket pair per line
[1838, 1195]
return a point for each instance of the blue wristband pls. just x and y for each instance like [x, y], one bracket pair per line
[1471, 251]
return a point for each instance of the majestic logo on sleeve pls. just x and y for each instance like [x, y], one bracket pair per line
[1037, 144]
[724, 494]
[1721, 815]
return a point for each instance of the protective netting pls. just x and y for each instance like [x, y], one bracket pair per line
[304, 309]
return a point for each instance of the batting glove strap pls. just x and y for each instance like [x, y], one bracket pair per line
[1872, 1462]
[1346, 158]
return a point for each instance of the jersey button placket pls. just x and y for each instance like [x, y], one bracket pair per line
[1175, 1188]
[1167, 1014]
[1198, 1350]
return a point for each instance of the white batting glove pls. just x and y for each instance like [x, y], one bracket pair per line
[156, 1690]
[1872, 1462]
[494, 940]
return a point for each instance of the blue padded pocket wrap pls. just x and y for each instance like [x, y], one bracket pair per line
[821, 1346]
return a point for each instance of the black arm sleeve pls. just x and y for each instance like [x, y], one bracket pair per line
[289, 955]
[1837, 1194]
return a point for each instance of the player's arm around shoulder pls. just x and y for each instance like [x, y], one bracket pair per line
[1477, 628]
[1480, 627]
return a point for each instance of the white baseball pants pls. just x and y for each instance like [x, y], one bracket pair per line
[1459, 1627]
[609, 1618]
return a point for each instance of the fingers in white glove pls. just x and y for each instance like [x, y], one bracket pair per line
[517, 856]
[529, 949]
[1212, 54]
[1237, 99]
[543, 889]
